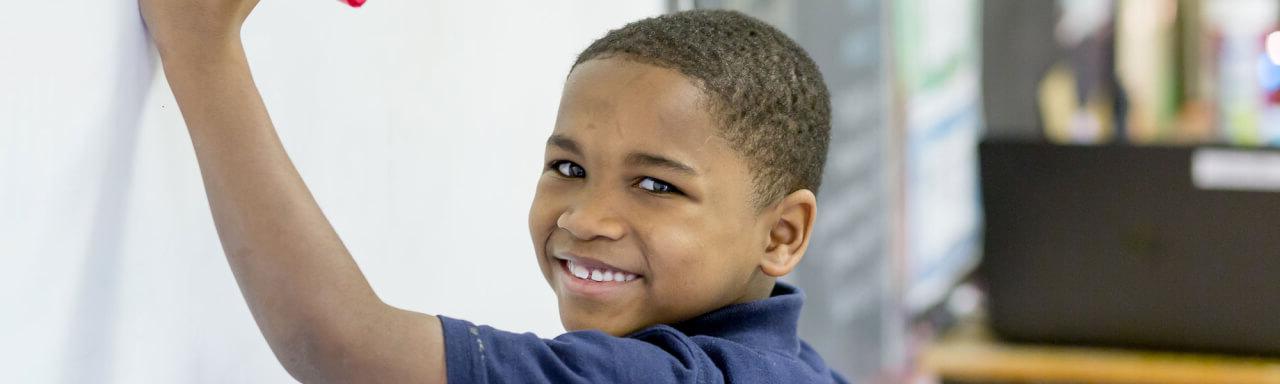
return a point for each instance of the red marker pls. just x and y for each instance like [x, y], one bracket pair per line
[353, 3]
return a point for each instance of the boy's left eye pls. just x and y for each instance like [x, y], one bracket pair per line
[656, 186]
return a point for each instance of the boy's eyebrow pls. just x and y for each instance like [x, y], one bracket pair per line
[652, 160]
[564, 143]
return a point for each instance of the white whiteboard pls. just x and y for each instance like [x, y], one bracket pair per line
[417, 125]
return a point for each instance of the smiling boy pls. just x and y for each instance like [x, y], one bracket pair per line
[678, 186]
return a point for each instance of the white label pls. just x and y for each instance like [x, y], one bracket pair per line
[1225, 169]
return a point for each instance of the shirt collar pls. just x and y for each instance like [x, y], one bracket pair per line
[768, 323]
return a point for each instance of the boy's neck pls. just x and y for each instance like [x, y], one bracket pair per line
[759, 288]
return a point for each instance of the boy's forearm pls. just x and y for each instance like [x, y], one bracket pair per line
[290, 266]
[306, 293]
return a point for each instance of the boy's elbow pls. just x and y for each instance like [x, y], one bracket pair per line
[347, 353]
[307, 357]
[318, 355]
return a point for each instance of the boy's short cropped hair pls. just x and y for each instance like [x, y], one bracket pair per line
[764, 91]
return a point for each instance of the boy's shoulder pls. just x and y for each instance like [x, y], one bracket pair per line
[746, 343]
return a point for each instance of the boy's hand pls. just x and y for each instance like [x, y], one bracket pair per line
[178, 25]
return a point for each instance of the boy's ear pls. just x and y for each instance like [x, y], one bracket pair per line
[789, 236]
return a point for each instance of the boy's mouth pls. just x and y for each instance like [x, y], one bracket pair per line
[596, 274]
[591, 277]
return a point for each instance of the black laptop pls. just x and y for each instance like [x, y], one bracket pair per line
[1148, 247]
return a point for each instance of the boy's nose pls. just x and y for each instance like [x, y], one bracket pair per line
[592, 218]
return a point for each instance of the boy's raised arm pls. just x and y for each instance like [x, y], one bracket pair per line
[315, 308]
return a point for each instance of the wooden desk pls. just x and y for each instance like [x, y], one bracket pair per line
[970, 354]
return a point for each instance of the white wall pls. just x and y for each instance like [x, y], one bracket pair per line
[418, 126]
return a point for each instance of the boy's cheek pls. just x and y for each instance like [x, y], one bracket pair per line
[543, 213]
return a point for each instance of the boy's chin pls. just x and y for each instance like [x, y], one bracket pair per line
[576, 320]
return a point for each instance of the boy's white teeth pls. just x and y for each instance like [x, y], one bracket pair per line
[578, 270]
[600, 275]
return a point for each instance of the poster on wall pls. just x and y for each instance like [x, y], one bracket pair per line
[937, 77]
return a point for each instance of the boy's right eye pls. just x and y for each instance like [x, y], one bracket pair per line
[568, 168]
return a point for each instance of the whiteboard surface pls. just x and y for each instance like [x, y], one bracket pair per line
[418, 126]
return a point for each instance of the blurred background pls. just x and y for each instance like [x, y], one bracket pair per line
[418, 126]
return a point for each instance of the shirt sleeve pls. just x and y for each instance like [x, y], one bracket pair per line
[482, 354]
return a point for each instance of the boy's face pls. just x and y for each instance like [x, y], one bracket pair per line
[639, 188]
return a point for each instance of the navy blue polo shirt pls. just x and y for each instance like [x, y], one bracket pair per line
[753, 342]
